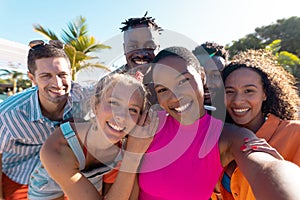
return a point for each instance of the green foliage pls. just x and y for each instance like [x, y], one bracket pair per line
[15, 79]
[79, 45]
[287, 30]
[287, 60]
[46, 32]
[24, 83]
[75, 29]
[274, 46]
[290, 62]
[282, 38]
[250, 41]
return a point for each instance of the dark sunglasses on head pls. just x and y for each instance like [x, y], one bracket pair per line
[34, 44]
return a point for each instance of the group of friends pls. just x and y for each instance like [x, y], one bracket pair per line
[170, 124]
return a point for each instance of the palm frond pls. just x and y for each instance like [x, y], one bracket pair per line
[78, 44]
[97, 47]
[88, 44]
[16, 74]
[45, 32]
[76, 29]
[81, 43]
[76, 56]
[93, 45]
[4, 72]
[68, 35]
[96, 65]
[82, 25]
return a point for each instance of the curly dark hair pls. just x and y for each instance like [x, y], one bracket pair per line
[212, 48]
[149, 21]
[279, 85]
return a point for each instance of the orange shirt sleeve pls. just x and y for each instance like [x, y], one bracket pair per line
[112, 175]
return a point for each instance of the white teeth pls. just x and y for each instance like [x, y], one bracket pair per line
[182, 108]
[116, 127]
[241, 110]
[57, 90]
[140, 62]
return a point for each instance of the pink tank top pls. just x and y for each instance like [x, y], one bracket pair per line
[183, 162]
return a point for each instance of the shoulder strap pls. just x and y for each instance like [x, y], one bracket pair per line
[73, 142]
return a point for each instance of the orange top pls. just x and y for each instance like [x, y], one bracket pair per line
[284, 136]
[111, 176]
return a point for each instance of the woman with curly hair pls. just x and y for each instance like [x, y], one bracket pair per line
[260, 96]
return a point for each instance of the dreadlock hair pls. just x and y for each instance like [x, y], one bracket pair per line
[278, 84]
[148, 21]
[212, 48]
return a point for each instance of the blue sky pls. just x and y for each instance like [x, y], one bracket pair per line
[201, 20]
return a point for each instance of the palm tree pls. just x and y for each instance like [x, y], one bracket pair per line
[79, 45]
[14, 77]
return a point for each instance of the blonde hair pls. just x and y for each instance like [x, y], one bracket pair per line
[111, 80]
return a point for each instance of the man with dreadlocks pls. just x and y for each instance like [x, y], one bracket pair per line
[140, 42]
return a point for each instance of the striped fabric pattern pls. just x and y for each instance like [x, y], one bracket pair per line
[23, 130]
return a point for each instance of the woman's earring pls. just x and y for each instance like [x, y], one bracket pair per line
[94, 124]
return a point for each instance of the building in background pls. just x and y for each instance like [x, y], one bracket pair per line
[13, 60]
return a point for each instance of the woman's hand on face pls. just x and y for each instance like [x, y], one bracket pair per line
[260, 145]
[142, 135]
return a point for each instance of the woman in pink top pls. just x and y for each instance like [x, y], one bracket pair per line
[190, 148]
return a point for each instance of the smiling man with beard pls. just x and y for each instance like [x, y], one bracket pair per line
[29, 117]
[140, 43]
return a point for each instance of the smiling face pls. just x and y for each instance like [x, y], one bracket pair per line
[244, 98]
[179, 89]
[118, 110]
[53, 78]
[140, 43]
[214, 84]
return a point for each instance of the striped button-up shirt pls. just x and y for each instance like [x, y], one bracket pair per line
[23, 130]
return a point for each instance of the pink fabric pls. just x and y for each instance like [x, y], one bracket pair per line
[183, 162]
